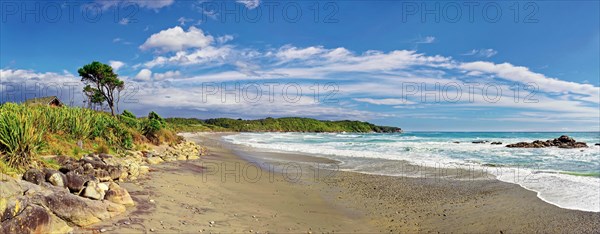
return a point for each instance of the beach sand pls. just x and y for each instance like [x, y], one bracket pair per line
[223, 193]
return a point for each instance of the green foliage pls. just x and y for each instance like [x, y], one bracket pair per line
[289, 124]
[26, 131]
[101, 83]
[152, 125]
[128, 114]
[130, 120]
[19, 138]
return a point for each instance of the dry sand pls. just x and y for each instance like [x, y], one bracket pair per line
[221, 193]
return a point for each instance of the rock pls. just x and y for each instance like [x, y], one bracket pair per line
[496, 143]
[71, 167]
[93, 191]
[181, 156]
[75, 182]
[34, 219]
[88, 168]
[563, 141]
[144, 170]
[34, 176]
[154, 160]
[597, 144]
[480, 142]
[118, 195]
[133, 170]
[456, 142]
[102, 175]
[116, 172]
[193, 157]
[103, 186]
[55, 178]
[78, 210]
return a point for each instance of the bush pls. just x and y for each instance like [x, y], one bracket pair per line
[26, 131]
[19, 138]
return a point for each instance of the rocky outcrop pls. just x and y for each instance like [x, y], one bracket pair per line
[563, 141]
[34, 219]
[184, 151]
[82, 192]
[118, 195]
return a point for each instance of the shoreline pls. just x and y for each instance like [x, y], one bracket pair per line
[362, 202]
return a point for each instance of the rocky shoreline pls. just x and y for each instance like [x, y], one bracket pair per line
[563, 141]
[81, 192]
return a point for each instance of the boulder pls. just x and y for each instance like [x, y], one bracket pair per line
[154, 160]
[102, 175]
[597, 144]
[93, 190]
[480, 142]
[144, 170]
[75, 182]
[34, 219]
[118, 195]
[496, 143]
[55, 178]
[79, 210]
[34, 176]
[115, 173]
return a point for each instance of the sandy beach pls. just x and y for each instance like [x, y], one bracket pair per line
[226, 192]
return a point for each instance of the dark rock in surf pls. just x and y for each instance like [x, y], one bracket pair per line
[564, 142]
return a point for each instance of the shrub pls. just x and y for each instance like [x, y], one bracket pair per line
[19, 139]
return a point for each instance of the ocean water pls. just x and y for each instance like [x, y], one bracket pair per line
[568, 178]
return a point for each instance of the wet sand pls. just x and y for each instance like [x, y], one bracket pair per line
[224, 193]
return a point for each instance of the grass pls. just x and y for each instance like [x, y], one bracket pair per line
[29, 131]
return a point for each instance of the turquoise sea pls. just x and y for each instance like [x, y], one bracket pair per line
[568, 178]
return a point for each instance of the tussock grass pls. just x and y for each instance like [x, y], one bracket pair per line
[27, 131]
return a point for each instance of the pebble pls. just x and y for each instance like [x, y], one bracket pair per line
[152, 230]
[211, 222]
[103, 230]
[152, 201]
[126, 223]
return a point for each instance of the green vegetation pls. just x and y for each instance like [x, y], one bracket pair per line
[288, 124]
[102, 83]
[29, 131]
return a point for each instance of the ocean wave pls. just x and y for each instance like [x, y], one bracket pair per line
[557, 173]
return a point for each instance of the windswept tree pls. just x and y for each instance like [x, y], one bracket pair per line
[101, 84]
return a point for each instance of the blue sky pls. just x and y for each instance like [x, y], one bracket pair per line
[417, 65]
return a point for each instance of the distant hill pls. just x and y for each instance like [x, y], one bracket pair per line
[287, 124]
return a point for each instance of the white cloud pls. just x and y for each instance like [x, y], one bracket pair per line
[524, 75]
[182, 20]
[205, 56]
[166, 75]
[144, 75]
[486, 53]
[384, 101]
[176, 39]
[250, 4]
[290, 53]
[224, 39]
[426, 40]
[116, 64]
